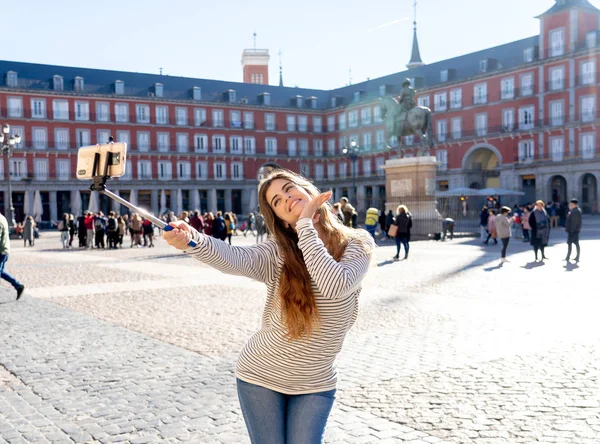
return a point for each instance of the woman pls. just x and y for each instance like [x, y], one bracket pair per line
[28, 231]
[121, 229]
[525, 223]
[229, 226]
[136, 230]
[313, 267]
[71, 230]
[404, 222]
[540, 229]
[483, 222]
[63, 227]
[209, 219]
[491, 227]
[503, 224]
[148, 230]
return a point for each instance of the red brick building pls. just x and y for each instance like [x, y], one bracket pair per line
[520, 116]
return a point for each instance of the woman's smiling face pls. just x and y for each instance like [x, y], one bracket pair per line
[287, 200]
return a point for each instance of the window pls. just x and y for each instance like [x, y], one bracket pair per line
[78, 84]
[380, 139]
[102, 112]
[526, 151]
[480, 94]
[103, 135]
[182, 142]
[353, 119]
[557, 77]
[159, 89]
[588, 145]
[591, 39]
[142, 113]
[218, 118]
[456, 98]
[270, 122]
[291, 147]
[60, 109]
[181, 116]
[377, 114]
[423, 101]
[528, 55]
[379, 164]
[481, 124]
[367, 141]
[63, 169]
[196, 93]
[12, 79]
[58, 83]
[40, 138]
[318, 147]
[271, 146]
[557, 42]
[343, 170]
[128, 171]
[165, 170]
[331, 147]
[82, 111]
[330, 171]
[202, 170]
[410, 140]
[40, 169]
[291, 123]
[330, 124]
[236, 119]
[249, 120]
[143, 141]
[526, 117]
[199, 116]
[122, 136]
[162, 115]
[303, 147]
[588, 72]
[218, 144]
[163, 142]
[527, 84]
[119, 87]
[588, 108]
[365, 116]
[319, 171]
[556, 113]
[456, 128]
[557, 149]
[83, 137]
[442, 130]
[342, 121]
[440, 101]
[61, 138]
[18, 168]
[17, 130]
[237, 170]
[219, 171]
[303, 124]
[508, 120]
[366, 167]
[231, 94]
[507, 88]
[121, 112]
[144, 169]
[235, 144]
[15, 107]
[317, 124]
[184, 170]
[441, 156]
[249, 145]
[38, 108]
[343, 143]
[483, 65]
[305, 170]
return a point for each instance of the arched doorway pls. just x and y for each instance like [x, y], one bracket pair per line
[589, 192]
[480, 164]
[558, 188]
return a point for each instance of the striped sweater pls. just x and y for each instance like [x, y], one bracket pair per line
[269, 359]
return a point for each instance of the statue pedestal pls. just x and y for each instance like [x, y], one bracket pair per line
[411, 182]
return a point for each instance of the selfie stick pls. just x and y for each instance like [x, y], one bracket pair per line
[100, 186]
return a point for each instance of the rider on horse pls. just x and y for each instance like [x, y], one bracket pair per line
[406, 99]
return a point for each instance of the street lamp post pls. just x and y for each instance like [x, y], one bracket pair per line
[352, 153]
[8, 144]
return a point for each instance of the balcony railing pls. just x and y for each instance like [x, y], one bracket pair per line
[480, 99]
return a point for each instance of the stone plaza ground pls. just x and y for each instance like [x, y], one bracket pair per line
[139, 346]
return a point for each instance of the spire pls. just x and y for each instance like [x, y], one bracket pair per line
[415, 57]
[280, 71]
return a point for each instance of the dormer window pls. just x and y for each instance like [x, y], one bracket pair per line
[158, 89]
[78, 84]
[265, 99]
[334, 102]
[197, 93]
[383, 90]
[528, 55]
[12, 79]
[591, 39]
[557, 42]
[299, 101]
[356, 96]
[483, 65]
[119, 87]
[444, 76]
[312, 102]
[231, 96]
[244, 100]
[57, 83]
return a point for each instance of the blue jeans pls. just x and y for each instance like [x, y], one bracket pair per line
[275, 418]
[401, 239]
[371, 230]
[4, 274]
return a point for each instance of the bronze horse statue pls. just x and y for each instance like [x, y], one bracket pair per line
[417, 120]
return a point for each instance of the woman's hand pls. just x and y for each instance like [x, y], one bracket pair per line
[179, 236]
[310, 209]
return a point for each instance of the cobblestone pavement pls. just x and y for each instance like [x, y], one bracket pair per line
[139, 346]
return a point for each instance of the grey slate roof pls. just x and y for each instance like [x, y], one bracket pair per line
[566, 4]
[98, 81]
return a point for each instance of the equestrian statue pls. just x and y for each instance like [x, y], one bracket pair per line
[403, 118]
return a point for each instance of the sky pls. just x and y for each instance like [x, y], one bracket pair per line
[324, 44]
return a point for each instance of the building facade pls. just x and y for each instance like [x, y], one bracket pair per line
[520, 116]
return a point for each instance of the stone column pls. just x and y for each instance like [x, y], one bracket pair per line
[195, 199]
[53, 206]
[228, 206]
[361, 206]
[154, 202]
[212, 200]
[133, 198]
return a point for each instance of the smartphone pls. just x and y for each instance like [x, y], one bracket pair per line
[114, 153]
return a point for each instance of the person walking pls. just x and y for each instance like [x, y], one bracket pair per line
[404, 222]
[525, 223]
[313, 268]
[29, 231]
[371, 221]
[348, 212]
[136, 230]
[219, 228]
[112, 228]
[148, 231]
[540, 229]
[4, 252]
[121, 230]
[383, 225]
[63, 227]
[72, 229]
[573, 228]
[483, 223]
[261, 228]
[81, 231]
[89, 229]
[229, 227]
[491, 227]
[389, 221]
[503, 229]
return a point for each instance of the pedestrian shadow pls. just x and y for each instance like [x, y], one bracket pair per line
[569, 266]
[532, 265]
[387, 262]
[497, 267]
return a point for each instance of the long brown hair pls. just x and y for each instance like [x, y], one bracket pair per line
[299, 307]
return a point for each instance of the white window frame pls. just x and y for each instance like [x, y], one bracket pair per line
[270, 124]
[39, 143]
[143, 141]
[331, 171]
[270, 146]
[330, 124]
[527, 117]
[162, 115]
[481, 123]
[218, 143]
[102, 112]
[557, 111]
[366, 167]
[528, 55]
[57, 112]
[164, 170]
[249, 145]
[303, 147]
[318, 147]
[507, 88]
[182, 140]
[441, 127]
[441, 156]
[61, 138]
[184, 170]
[556, 39]
[527, 89]
[480, 94]
[199, 116]
[353, 118]
[526, 151]
[379, 164]
[365, 116]
[236, 144]
[102, 135]
[587, 70]
[292, 147]
[128, 171]
[380, 141]
[367, 141]
[319, 171]
[591, 39]
[456, 129]
[557, 78]
[290, 123]
[142, 113]
[342, 121]
[63, 169]
[41, 114]
[202, 170]
[587, 145]
[424, 101]
[220, 171]
[317, 123]
[303, 124]
[237, 171]
[201, 143]
[440, 101]
[588, 113]
[122, 136]
[121, 112]
[456, 98]
[163, 142]
[83, 137]
[235, 118]
[40, 169]
[144, 169]
[343, 170]
[218, 118]
[508, 119]
[557, 149]
[82, 111]
[181, 116]
[248, 120]
[18, 167]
